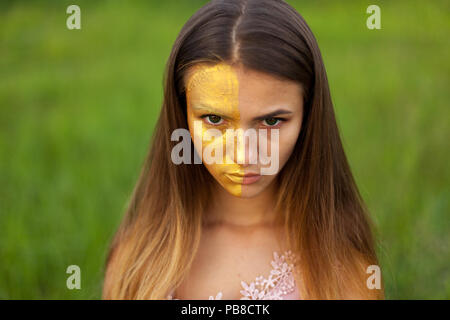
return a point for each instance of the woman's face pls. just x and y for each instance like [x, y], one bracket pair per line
[222, 99]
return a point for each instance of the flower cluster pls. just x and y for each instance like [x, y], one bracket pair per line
[280, 281]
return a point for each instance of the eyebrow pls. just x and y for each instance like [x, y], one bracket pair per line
[205, 108]
[272, 114]
[211, 110]
[259, 118]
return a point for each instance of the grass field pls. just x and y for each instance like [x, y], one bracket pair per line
[77, 110]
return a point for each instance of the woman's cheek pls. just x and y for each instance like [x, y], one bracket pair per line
[288, 139]
[220, 164]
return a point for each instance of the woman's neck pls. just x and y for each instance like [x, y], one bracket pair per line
[227, 209]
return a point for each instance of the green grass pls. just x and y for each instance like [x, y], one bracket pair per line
[77, 110]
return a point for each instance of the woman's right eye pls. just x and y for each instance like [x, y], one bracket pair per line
[213, 119]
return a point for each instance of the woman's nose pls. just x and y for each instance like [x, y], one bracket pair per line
[243, 147]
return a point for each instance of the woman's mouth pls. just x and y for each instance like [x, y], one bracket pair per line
[247, 178]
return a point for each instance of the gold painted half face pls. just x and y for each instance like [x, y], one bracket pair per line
[212, 97]
[223, 97]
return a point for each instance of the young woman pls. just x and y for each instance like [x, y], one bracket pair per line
[223, 229]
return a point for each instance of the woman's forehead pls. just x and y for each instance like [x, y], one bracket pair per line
[252, 91]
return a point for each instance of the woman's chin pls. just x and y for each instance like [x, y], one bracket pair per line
[248, 190]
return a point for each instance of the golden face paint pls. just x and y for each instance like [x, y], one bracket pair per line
[214, 90]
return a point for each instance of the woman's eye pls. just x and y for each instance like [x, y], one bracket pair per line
[271, 122]
[213, 119]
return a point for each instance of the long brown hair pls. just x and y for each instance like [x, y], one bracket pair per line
[324, 216]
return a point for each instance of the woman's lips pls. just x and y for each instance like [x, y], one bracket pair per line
[247, 178]
[251, 178]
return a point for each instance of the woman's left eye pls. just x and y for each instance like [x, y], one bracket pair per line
[272, 122]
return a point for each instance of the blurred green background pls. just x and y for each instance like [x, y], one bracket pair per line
[77, 108]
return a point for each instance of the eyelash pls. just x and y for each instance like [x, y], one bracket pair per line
[218, 124]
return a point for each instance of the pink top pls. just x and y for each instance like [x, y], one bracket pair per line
[280, 285]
